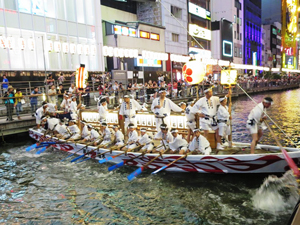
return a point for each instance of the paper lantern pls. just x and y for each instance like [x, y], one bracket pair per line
[193, 72]
[81, 76]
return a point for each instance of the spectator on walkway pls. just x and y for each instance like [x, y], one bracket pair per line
[179, 85]
[73, 78]
[86, 95]
[50, 80]
[52, 95]
[135, 87]
[101, 89]
[4, 84]
[61, 78]
[34, 100]
[61, 91]
[72, 89]
[9, 103]
[18, 103]
[174, 89]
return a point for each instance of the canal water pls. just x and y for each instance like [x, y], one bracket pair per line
[40, 189]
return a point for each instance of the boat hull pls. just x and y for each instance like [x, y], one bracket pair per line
[272, 162]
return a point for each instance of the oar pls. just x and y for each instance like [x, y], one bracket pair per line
[124, 162]
[42, 149]
[140, 170]
[81, 156]
[74, 153]
[98, 154]
[288, 159]
[31, 147]
[115, 156]
[171, 163]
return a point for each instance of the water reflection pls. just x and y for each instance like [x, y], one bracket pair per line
[42, 190]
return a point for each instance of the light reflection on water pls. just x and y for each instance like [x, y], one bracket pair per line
[53, 192]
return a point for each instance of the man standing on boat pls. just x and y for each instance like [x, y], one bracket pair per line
[256, 119]
[162, 107]
[207, 109]
[128, 110]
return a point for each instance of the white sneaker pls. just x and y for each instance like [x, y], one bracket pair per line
[220, 147]
[226, 144]
[257, 147]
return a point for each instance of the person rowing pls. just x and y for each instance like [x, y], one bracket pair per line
[133, 137]
[199, 144]
[119, 138]
[75, 131]
[224, 117]
[93, 137]
[178, 145]
[146, 141]
[255, 122]
[165, 136]
[106, 134]
[85, 132]
[207, 110]
[162, 107]
[61, 131]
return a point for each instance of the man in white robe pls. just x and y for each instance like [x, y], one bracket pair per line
[128, 110]
[165, 138]
[146, 141]
[178, 144]
[133, 137]
[119, 137]
[103, 111]
[162, 107]
[224, 119]
[255, 122]
[199, 144]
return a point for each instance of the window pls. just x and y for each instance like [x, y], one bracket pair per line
[177, 12]
[61, 9]
[240, 21]
[241, 55]
[9, 4]
[240, 36]
[234, 34]
[175, 37]
[262, 47]
[235, 52]
[234, 18]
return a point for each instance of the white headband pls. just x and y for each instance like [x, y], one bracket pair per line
[195, 130]
[131, 126]
[207, 90]
[222, 99]
[143, 129]
[266, 101]
[174, 131]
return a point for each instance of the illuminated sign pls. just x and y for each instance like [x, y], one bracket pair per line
[144, 34]
[154, 36]
[228, 76]
[148, 62]
[10, 43]
[125, 31]
[199, 32]
[179, 58]
[49, 46]
[31, 44]
[199, 11]
[227, 48]
[120, 52]
[154, 55]
[132, 32]
[72, 48]
[22, 43]
[57, 46]
[200, 53]
[117, 29]
[2, 42]
[65, 47]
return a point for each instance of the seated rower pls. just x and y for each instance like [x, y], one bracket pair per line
[224, 117]
[75, 131]
[199, 144]
[61, 131]
[146, 141]
[119, 138]
[40, 112]
[165, 136]
[84, 131]
[178, 145]
[106, 134]
[49, 123]
[132, 138]
[94, 136]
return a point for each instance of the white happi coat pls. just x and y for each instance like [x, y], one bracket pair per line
[73, 107]
[94, 135]
[223, 115]
[178, 143]
[200, 144]
[166, 106]
[255, 115]
[51, 107]
[166, 138]
[146, 140]
[75, 131]
[190, 117]
[103, 112]
[66, 104]
[39, 113]
[52, 123]
[62, 129]
[130, 112]
[208, 107]
[119, 138]
[85, 132]
[132, 137]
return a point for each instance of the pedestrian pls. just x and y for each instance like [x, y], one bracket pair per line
[72, 89]
[86, 95]
[73, 78]
[61, 91]
[4, 84]
[18, 103]
[9, 103]
[49, 80]
[61, 78]
[52, 95]
[34, 100]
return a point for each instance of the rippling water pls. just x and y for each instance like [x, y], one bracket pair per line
[42, 190]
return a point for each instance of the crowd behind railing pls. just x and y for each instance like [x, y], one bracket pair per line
[34, 92]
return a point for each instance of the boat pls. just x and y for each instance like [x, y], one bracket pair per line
[268, 160]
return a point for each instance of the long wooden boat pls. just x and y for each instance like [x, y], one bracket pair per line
[270, 160]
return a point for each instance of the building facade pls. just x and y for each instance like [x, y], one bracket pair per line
[50, 35]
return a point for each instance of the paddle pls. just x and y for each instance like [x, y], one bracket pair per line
[288, 159]
[164, 167]
[98, 154]
[81, 156]
[140, 170]
[74, 152]
[114, 156]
